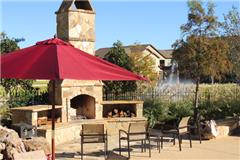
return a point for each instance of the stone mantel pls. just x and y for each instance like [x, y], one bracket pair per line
[122, 102]
[36, 108]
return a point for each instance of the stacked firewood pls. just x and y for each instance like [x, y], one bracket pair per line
[120, 113]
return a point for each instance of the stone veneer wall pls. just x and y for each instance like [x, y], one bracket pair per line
[73, 130]
[77, 27]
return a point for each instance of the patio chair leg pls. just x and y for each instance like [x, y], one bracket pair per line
[159, 140]
[141, 145]
[199, 134]
[105, 150]
[81, 148]
[174, 139]
[149, 147]
[120, 150]
[128, 148]
[190, 139]
[162, 142]
[144, 145]
[179, 142]
[119, 143]
[107, 144]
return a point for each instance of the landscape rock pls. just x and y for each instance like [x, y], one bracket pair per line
[13, 144]
[209, 130]
[2, 146]
[37, 143]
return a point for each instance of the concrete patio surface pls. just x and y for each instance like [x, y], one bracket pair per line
[222, 148]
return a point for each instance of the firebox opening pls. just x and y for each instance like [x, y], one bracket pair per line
[119, 111]
[83, 107]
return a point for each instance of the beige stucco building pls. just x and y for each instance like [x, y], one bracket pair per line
[162, 58]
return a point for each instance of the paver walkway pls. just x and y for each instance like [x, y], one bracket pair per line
[224, 148]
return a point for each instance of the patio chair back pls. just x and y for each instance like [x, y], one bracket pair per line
[137, 130]
[93, 129]
[183, 124]
[93, 133]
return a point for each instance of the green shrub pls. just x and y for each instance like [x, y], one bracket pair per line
[219, 109]
[21, 99]
[5, 115]
[156, 110]
[26, 98]
[216, 101]
[180, 109]
[220, 101]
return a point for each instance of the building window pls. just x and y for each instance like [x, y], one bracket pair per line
[162, 63]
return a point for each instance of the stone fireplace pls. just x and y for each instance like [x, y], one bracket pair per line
[80, 99]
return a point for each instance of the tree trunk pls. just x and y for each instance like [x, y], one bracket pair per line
[196, 101]
[212, 79]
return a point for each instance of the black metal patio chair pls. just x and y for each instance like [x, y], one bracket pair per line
[94, 133]
[182, 129]
[136, 132]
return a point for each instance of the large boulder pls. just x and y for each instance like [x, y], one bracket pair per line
[37, 143]
[13, 144]
[209, 130]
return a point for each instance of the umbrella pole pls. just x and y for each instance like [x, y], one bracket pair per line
[53, 120]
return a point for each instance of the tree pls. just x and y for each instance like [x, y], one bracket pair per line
[200, 51]
[147, 69]
[8, 45]
[231, 33]
[118, 56]
[12, 85]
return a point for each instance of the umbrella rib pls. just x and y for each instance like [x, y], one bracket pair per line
[58, 69]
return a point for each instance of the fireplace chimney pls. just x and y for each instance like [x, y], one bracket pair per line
[76, 24]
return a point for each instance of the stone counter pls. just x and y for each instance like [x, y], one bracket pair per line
[30, 114]
[66, 132]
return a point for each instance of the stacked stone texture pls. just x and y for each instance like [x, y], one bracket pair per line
[37, 143]
[11, 143]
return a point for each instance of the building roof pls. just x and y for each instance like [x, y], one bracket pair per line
[166, 53]
[103, 51]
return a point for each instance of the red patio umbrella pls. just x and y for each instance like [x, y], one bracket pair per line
[54, 59]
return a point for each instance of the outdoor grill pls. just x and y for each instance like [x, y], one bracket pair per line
[24, 130]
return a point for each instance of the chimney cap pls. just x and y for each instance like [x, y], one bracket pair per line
[75, 5]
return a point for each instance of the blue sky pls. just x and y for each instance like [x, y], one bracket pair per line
[156, 22]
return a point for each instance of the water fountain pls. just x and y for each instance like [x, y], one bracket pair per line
[173, 86]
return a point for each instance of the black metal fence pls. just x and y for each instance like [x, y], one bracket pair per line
[146, 95]
[175, 95]
[21, 98]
